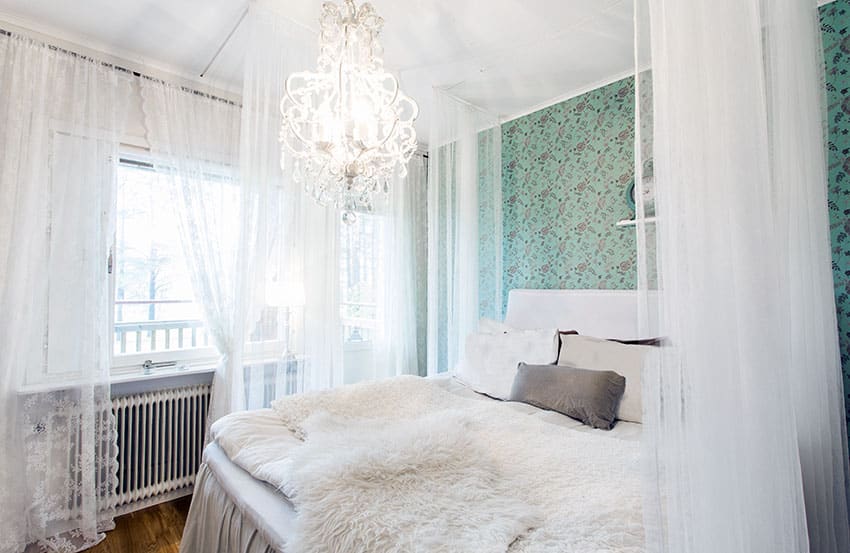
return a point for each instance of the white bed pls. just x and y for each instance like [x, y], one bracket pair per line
[238, 508]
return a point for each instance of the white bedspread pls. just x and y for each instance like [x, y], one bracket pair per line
[584, 486]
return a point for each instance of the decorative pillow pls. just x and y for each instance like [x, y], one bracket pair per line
[490, 361]
[658, 342]
[589, 396]
[564, 333]
[597, 354]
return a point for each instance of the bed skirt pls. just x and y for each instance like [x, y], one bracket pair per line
[231, 512]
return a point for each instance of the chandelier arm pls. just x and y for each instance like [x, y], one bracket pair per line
[298, 136]
[395, 92]
[339, 83]
[286, 89]
[382, 143]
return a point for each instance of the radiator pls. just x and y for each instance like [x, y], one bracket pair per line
[160, 440]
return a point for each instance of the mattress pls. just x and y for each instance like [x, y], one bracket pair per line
[234, 512]
[234, 509]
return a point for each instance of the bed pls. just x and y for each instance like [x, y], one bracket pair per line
[241, 502]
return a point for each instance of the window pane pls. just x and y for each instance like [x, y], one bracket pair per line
[358, 276]
[154, 307]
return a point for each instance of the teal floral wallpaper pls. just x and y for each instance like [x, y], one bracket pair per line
[566, 169]
[835, 30]
[489, 226]
[565, 173]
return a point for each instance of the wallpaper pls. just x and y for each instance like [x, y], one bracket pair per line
[835, 30]
[566, 170]
[565, 173]
[489, 226]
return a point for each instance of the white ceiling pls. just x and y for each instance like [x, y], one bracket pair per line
[508, 56]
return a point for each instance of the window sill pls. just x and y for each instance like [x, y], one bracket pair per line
[137, 382]
[138, 375]
[128, 382]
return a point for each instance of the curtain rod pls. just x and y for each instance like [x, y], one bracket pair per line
[85, 57]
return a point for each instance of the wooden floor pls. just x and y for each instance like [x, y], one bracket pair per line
[153, 530]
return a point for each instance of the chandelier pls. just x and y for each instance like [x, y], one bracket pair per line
[348, 126]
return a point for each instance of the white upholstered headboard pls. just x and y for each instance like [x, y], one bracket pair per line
[601, 313]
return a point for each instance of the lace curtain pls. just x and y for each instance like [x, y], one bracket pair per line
[194, 144]
[744, 436]
[61, 116]
[464, 226]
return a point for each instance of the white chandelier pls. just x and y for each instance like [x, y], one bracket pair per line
[348, 126]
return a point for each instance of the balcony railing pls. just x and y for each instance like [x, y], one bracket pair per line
[358, 321]
[149, 336]
[133, 337]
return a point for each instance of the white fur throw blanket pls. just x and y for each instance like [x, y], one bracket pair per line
[405, 466]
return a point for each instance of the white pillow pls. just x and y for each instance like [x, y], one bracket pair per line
[492, 326]
[490, 361]
[585, 352]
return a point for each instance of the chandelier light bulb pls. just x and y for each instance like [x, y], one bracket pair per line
[347, 126]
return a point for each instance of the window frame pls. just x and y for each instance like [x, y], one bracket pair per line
[378, 219]
[122, 365]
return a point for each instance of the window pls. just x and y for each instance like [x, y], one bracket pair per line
[359, 268]
[155, 315]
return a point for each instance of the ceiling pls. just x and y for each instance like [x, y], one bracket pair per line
[507, 56]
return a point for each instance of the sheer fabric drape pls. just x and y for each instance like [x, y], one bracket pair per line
[744, 436]
[398, 285]
[297, 240]
[464, 226]
[194, 144]
[265, 259]
[299, 244]
[61, 116]
[796, 114]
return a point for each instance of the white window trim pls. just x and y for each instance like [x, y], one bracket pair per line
[193, 356]
[124, 366]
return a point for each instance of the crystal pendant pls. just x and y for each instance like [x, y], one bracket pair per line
[349, 217]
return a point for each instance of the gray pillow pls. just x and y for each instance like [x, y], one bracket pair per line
[587, 395]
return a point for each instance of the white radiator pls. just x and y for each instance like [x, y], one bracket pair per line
[160, 439]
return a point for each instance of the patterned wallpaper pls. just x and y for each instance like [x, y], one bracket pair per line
[835, 30]
[489, 226]
[566, 169]
[565, 173]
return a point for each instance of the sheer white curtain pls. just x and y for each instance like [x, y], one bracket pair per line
[300, 247]
[744, 432]
[297, 240]
[194, 143]
[418, 187]
[396, 340]
[464, 226]
[796, 115]
[61, 116]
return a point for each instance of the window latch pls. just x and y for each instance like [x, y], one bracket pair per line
[148, 366]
